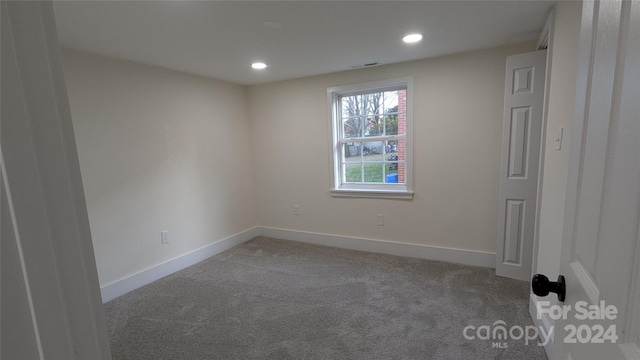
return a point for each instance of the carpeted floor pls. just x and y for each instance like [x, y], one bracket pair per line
[276, 299]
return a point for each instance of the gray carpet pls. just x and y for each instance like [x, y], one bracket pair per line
[276, 299]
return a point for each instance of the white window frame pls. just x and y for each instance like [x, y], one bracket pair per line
[369, 190]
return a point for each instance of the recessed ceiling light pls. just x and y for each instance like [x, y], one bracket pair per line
[259, 66]
[412, 38]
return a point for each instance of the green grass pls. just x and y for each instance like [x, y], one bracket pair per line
[372, 172]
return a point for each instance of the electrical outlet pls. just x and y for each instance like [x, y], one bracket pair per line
[296, 210]
[380, 219]
[165, 236]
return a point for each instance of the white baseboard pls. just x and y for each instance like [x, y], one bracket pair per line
[149, 275]
[451, 255]
[543, 321]
[156, 272]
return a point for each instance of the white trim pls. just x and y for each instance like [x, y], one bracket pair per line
[6, 191]
[371, 85]
[544, 39]
[380, 194]
[451, 255]
[334, 130]
[156, 272]
[548, 32]
[542, 321]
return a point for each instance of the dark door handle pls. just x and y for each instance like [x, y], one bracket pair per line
[542, 286]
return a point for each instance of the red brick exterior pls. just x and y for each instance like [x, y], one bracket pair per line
[402, 130]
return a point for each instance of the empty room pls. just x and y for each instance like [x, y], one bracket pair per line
[320, 180]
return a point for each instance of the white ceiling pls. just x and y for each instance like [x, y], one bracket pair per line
[220, 39]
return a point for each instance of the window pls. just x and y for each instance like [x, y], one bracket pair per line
[372, 133]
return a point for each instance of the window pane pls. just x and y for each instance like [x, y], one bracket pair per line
[391, 153]
[391, 124]
[390, 102]
[391, 148]
[372, 103]
[351, 106]
[374, 126]
[352, 127]
[373, 172]
[351, 152]
[353, 172]
[391, 173]
[370, 126]
[372, 151]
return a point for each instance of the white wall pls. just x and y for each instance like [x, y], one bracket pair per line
[163, 150]
[159, 150]
[458, 120]
[564, 63]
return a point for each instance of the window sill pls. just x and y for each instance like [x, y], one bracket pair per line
[375, 194]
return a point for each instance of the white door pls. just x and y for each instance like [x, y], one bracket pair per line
[521, 136]
[600, 317]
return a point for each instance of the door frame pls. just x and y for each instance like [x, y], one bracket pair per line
[44, 194]
[545, 41]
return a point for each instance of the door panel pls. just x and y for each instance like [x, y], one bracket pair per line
[598, 107]
[600, 241]
[521, 136]
[520, 118]
[515, 218]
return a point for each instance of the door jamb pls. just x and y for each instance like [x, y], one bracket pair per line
[545, 41]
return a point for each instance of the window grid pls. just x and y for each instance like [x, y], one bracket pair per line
[372, 147]
[380, 120]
